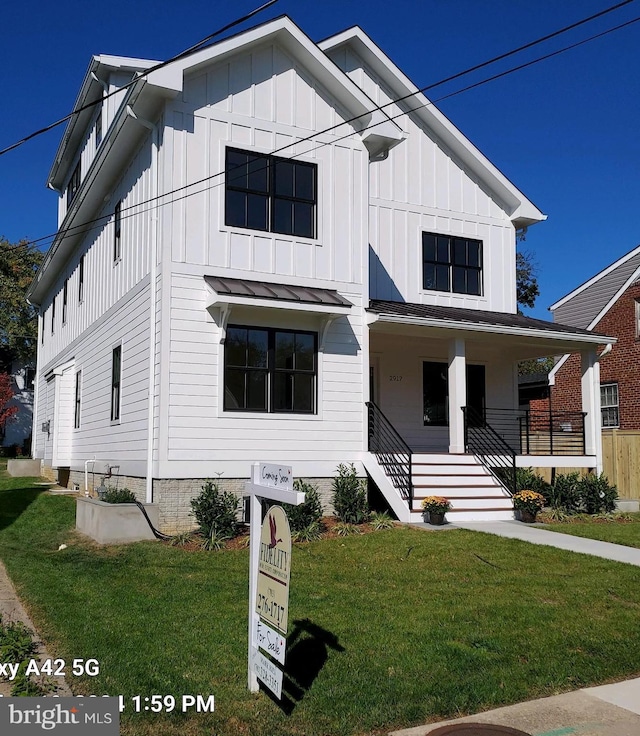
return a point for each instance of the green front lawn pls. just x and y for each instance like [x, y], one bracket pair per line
[624, 529]
[388, 629]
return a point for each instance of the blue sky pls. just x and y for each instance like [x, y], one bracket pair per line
[565, 131]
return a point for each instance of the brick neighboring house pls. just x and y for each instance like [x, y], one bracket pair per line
[608, 303]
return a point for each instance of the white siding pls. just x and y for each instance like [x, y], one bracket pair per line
[421, 187]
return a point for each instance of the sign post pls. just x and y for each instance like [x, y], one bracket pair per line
[269, 570]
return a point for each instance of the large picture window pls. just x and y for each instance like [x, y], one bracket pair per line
[451, 264]
[609, 405]
[269, 193]
[270, 370]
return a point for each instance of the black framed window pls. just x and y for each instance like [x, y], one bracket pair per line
[435, 392]
[64, 301]
[270, 370]
[98, 128]
[76, 414]
[74, 184]
[53, 315]
[116, 379]
[117, 232]
[81, 279]
[268, 193]
[451, 264]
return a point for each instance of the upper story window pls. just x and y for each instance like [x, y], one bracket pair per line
[53, 315]
[116, 379]
[98, 129]
[74, 184]
[264, 192]
[78, 398]
[64, 301]
[609, 405]
[270, 370]
[81, 280]
[451, 264]
[117, 232]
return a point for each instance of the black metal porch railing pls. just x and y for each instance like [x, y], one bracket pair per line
[482, 440]
[533, 432]
[391, 451]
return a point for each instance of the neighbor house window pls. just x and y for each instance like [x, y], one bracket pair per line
[451, 264]
[609, 405]
[269, 193]
[53, 315]
[637, 317]
[98, 129]
[116, 378]
[76, 415]
[117, 231]
[270, 370]
[64, 302]
[81, 280]
[74, 184]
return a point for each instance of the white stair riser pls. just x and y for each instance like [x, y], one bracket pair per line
[450, 493]
[475, 504]
[443, 459]
[439, 470]
[454, 481]
[453, 516]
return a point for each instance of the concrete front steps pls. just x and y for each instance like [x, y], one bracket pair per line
[474, 493]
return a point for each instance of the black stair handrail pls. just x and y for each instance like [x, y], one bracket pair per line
[391, 451]
[481, 439]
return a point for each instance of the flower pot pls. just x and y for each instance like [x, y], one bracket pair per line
[435, 518]
[527, 517]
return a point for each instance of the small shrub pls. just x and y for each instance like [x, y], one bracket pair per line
[16, 642]
[214, 541]
[565, 494]
[345, 529]
[310, 533]
[310, 512]
[119, 495]
[216, 512]
[527, 480]
[381, 520]
[596, 494]
[182, 539]
[350, 496]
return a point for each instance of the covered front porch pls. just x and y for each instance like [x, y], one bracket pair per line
[444, 382]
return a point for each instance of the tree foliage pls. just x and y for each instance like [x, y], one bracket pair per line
[527, 289]
[18, 320]
[6, 394]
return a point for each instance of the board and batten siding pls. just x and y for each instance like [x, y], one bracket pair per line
[200, 432]
[263, 102]
[422, 187]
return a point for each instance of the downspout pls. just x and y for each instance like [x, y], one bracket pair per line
[152, 297]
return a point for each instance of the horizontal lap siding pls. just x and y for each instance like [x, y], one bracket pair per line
[200, 430]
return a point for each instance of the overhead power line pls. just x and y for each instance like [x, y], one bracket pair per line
[196, 47]
[100, 221]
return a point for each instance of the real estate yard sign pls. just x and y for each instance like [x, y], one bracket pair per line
[269, 572]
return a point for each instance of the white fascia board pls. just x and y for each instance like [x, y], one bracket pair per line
[223, 300]
[597, 277]
[523, 211]
[287, 34]
[551, 377]
[496, 329]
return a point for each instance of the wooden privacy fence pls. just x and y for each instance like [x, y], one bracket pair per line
[620, 462]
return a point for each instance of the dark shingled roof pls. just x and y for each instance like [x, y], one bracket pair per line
[472, 316]
[283, 292]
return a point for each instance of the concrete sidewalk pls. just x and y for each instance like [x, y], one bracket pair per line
[537, 535]
[608, 710]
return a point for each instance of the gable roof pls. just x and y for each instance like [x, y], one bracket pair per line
[520, 209]
[586, 305]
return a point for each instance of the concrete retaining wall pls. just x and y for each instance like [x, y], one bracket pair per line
[24, 468]
[114, 523]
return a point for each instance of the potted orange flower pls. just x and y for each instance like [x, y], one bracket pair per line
[434, 508]
[528, 503]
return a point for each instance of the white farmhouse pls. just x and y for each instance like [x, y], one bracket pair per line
[261, 257]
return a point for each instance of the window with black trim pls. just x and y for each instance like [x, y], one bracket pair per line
[609, 405]
[278, 195]
[74, 184]
[270, 370]
[116, 379]
[81, 279]
[64, 302]
[98, 129]
[117, 232]
[452, 264]
[76, 414]
[53, 315]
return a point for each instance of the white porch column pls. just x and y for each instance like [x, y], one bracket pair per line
[457, 394]
[591, 406]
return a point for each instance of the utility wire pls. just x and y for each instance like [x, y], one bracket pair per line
[196, 47]
[99, 221]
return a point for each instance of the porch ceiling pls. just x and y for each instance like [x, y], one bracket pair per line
[522, 337]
